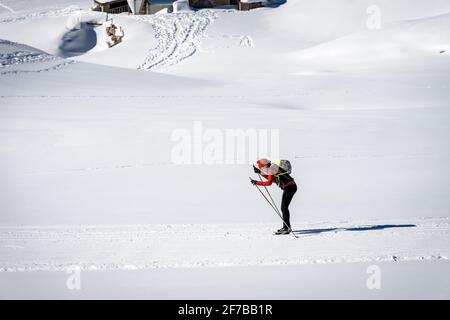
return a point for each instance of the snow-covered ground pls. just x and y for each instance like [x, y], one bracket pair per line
[171, 246]
[88, 178]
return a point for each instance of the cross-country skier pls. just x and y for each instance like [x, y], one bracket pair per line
[273, 172]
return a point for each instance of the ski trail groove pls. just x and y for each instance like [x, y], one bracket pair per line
[178, 37]
[7, 8]
[17, 58]
[170, 246]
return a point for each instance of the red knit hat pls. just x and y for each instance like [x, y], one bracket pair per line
[263, 163]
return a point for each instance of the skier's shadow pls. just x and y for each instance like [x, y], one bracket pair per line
[362, 228]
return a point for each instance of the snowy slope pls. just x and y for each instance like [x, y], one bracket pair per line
[150, 41]
[85, 142]
[411, 40]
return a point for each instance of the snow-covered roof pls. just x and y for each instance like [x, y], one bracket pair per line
[135, 5]
[181, 6]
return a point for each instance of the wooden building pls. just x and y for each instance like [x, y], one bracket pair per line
[245, 5]
[111, 6]
[132, 6]
[153, 6]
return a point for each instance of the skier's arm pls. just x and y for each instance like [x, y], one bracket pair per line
[265, 183]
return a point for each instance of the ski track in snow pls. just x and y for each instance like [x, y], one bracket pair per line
[17, 58]
[122, 166]
[56, 248]
[4, 6]
[178, 37]
[132, 165]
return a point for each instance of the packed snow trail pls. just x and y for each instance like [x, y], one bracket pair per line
[159, 246]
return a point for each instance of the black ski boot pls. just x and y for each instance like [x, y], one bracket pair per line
[283, 230]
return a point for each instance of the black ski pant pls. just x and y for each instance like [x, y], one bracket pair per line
[288, 194]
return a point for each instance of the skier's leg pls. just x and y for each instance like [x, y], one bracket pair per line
[285, 208]
[288, 194]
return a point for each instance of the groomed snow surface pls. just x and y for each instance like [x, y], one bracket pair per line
[172, 246]
[88, 181]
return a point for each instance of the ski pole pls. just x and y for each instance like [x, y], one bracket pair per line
[273, 201]
[273, 206]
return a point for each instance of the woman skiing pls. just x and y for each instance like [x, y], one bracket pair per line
[280, 174]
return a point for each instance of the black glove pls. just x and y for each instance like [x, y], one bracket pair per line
[253, 182]
[256, 170]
